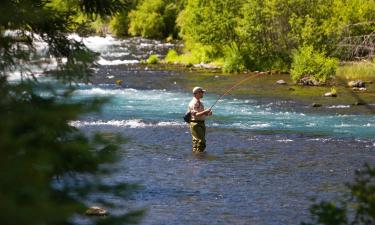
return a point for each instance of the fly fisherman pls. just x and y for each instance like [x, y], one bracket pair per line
[198, 115]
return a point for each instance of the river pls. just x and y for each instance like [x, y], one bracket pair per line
[266, 157]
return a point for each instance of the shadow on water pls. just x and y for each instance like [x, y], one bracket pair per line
[205, 156]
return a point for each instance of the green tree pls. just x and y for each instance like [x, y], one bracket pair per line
[39, 149]
[154, 19]
[262, 34]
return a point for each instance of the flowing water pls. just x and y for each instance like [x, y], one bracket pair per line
[265, 158]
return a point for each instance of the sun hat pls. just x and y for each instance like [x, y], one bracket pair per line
[198, 89]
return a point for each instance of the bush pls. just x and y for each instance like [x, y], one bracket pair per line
[312, 64]
[146, 20]
[119, 25]
[233, 60]
[153, 59]
[357, 208]
[153, 19]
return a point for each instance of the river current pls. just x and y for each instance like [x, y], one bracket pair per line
[265, 157]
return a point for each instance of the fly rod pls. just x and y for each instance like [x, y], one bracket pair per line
[233, 87]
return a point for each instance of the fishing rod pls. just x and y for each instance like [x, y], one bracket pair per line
[234, 86]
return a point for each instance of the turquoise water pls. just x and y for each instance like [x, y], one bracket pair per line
[140, 108]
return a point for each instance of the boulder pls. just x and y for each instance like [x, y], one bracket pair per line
[282, 82]
[330, 94]
[307, 81]
[96, 211]
[356, 83]
[359, 103]
[315, 105]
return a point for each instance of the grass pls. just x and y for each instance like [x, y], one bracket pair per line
[363, 70]
[191, 58]
[153, 59]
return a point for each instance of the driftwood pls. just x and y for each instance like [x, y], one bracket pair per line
[357, 47]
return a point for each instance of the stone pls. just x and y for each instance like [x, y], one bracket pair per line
[307, 81]
[359, 89]
[315, 105]
[330, 94]
[282, 82]
[359, 103]
[356, 83]
[96, 211]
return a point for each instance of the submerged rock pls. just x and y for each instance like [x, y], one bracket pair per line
[359, 103]
[96, 211]
[359, 89]
[281, 82]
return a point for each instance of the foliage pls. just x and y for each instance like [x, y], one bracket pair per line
[263, 33]
[333, 91]
[234, 61]
[153, 59]
[194, 54]
[358, 208]
[40, 151]
[119, 25]
[312, 64]
[153, 19]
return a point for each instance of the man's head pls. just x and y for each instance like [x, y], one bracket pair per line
[198, 92]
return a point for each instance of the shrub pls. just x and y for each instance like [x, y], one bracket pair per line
[171, 56]
[357, 208]
[119, 24]
[153, 59]
[233, 59]
[312, 64]
[146, 20]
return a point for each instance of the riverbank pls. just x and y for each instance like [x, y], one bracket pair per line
[262, 86]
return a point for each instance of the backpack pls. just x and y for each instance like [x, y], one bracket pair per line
[187, 116]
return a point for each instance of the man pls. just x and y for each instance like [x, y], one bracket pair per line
[198, 115]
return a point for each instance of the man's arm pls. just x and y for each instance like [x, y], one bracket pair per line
[206, 112]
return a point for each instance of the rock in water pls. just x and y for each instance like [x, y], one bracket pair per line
[359, 89]
[282, 82]
[96, 211]
[316, 105]
[330, 94]
[356, 83]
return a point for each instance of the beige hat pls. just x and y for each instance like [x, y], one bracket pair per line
[198, 89]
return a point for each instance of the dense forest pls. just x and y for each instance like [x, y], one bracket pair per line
[307, 38]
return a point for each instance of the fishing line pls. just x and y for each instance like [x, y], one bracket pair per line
[234, 86]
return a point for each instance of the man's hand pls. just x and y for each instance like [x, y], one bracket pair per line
[208, 112]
